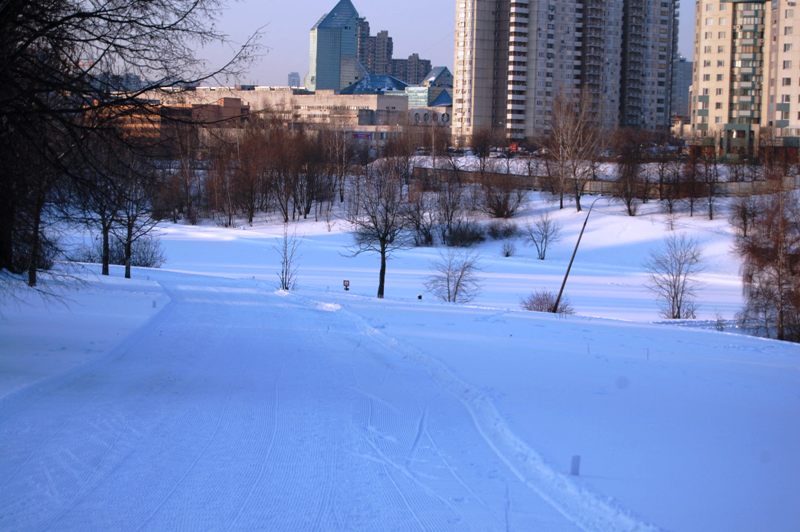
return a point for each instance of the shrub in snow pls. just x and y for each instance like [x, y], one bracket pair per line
[545, 301]
[47, 251]
[499, 230]
[465, 234]
[508, 249]
[500, 198]
[146, 252]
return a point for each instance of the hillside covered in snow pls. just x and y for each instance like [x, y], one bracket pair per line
[198, 396]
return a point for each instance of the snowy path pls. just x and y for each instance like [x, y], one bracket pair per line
[240, 409]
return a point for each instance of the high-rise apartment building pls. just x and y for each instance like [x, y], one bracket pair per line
[681, 84]
[412, 70]
[782, 102]
[333, 57]
[375, 51]
[294, 79]
[514, 57]
[601, 58]
[746, 75]
[482, 50]
[649, 44]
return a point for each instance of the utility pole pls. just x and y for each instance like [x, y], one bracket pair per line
[554, 310]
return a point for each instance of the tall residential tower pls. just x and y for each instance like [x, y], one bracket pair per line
[514, 57]
[746, 74]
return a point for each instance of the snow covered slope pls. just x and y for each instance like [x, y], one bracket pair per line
[608, 279]
[205, 400]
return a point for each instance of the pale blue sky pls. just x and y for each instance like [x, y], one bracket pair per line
[423, 26]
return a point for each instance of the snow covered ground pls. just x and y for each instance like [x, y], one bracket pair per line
[198, 397]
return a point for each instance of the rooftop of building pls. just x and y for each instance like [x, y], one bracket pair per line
[375, 84]
[437, 75]
[443, 100]
[338, 17]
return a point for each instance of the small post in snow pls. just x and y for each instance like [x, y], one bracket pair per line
[575, 468]
[346, 284]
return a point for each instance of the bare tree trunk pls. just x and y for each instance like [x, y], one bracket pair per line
[382, 274]
[7, 218]
[128, 250]
[106, 249]
[36, 240]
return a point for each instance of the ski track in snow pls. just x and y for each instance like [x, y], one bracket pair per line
[586, 510]
[234, 409]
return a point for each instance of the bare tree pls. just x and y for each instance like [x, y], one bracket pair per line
[573, 146]
[629, 169]
[744, 213]
[709, 170]
[672, 276]
[483, 140]
[220, 182]
[340, 153]
[771, 267]
[283, 171]
[544, 232]
[421, 217]
[690, 181]
[449, 205]
[455, 278]
[135, 218]
[669, 180]
[185, 175]
[289, 246]
[100, 195]
[377, 214]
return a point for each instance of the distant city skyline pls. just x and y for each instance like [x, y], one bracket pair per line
[418, 26]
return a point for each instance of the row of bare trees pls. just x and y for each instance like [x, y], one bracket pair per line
[265, 166]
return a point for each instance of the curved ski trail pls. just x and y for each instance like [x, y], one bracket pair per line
[585, 509]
